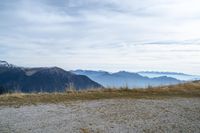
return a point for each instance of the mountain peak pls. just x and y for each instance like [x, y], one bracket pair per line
[56, 70]
[5, 64]
[125, 73]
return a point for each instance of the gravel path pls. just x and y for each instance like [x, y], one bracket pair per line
[110, 116]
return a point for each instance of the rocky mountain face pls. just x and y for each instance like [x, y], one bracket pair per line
[44, 79]
[123, 79]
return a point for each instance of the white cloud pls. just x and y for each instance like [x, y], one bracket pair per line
[91, 34]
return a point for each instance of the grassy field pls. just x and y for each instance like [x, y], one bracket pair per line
[191, 89]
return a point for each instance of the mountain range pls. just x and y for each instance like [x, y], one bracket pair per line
[179, 76]
[55, 79]
[41, 79]
[126, 79]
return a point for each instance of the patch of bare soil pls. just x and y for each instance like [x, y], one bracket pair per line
[104, 116]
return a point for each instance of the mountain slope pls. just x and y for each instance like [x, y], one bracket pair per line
[41, 79]
[122, 79]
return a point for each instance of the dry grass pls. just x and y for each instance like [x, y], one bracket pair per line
[84, 130]
[182, 90]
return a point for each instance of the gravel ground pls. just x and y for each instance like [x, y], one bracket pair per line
[110, 116]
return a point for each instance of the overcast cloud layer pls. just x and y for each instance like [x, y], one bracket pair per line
[132, 35]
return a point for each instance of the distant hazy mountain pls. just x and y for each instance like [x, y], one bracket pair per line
[13, 78]
[179, 76]
[122, 78]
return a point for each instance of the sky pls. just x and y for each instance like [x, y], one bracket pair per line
[111, 35]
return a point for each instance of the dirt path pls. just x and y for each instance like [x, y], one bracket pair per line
[110, 116]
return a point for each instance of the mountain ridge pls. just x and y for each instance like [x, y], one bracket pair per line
[42, 79]
[179, 76]
[123, 78]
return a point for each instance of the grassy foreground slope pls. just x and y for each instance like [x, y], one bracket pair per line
[191, 89]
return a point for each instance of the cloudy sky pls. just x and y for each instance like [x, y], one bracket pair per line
[132, 35]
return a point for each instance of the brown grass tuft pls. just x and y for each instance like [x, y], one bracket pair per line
[84, 130]
[181, 90]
